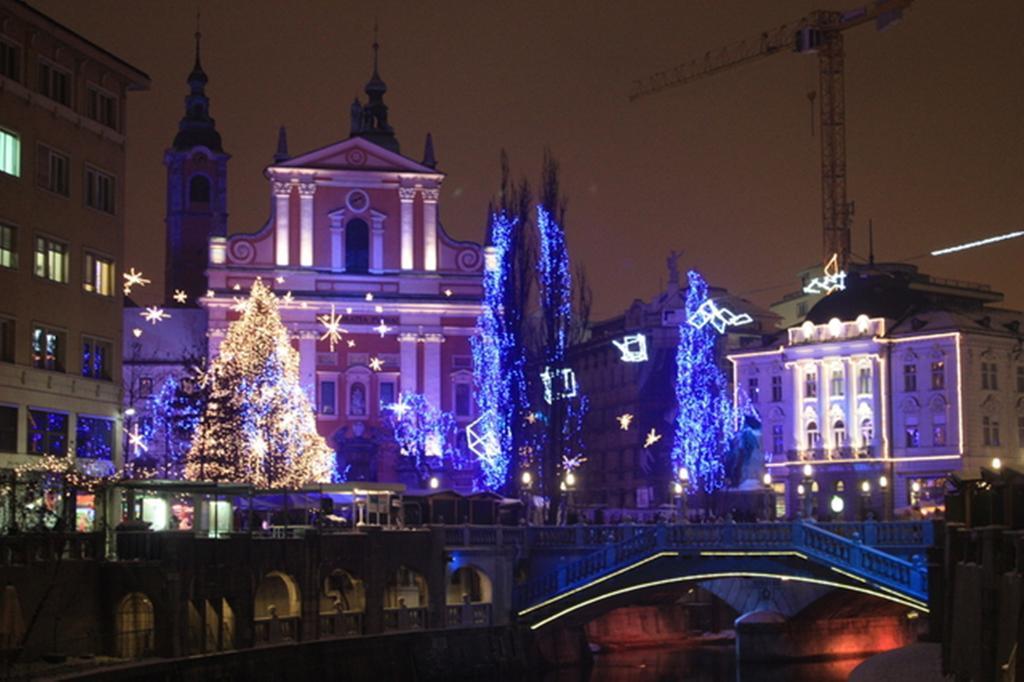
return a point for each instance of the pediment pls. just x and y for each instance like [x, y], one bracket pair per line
[355, 153]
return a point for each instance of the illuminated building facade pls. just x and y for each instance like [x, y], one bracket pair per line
[623, 475]
[885, 389]
[63, 113]
[355, 243]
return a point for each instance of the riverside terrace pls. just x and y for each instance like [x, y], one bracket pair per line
[229, 584]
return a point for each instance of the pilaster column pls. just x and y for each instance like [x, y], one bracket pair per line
[306, 192]
[408, 365]
[432, 368]
[282, 194]
[377, 243]
[406, 195]
[337, 219]
[430, 228]
[799, 434]
[307, 363]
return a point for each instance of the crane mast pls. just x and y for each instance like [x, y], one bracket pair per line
[819, 32]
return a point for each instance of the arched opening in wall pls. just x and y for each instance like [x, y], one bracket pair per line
[199, 190]
[134, 637]
[405, 600]
[357, 246]
[468, 597]
[277, 608]
[839, 434]
[813, 436]
[342, 604]
[227, 625]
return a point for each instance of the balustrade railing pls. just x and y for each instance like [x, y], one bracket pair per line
[405, 618]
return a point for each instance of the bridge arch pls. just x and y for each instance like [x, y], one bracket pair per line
[469, 584]
[277, 595]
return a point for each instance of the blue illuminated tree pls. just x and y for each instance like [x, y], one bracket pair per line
[425, 434]
[704, 422]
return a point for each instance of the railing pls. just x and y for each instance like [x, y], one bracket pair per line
[467, 615]
[341, 624]
[274, 630]
[26, 548]
[818, 543]
[405, 618]
[907, 534]
[483, 536]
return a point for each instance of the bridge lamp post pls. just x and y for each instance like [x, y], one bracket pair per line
[836, 505]
[915, 494]
[865, 494]
[680, 489]
[569, 486]
[526, 485]
[883, 485]
[808, 485]
[769, 497]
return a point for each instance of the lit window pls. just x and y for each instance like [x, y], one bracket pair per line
[94, 438]
[909, 378]
[328, 398]
[47, 433]
[777, 439]
[10, 153]
[55, 83]
[864, 380]
[8, 246]
[51, 259]
[96, 358]
[98, 275]
[813, 436]
[52, 170]
[938, 375]
[839, 434]
[753, 391]
[867, 432]
[99, 190]
[103, 107]
[837, 384]
[913, 433]
[776, 389]
[939, 434]
[10, 60]
[811, 385]
[48, 349]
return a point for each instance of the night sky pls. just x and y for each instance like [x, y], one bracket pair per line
[725, 168]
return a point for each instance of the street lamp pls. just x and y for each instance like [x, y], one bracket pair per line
[769, 496]
[681, 486]
[808, 485]
[434, 482]
[883, 485]
[915, 494]
[526, 479]
[568, 485]
[997, 463]
[865, 492]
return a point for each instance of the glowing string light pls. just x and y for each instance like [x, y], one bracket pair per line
[566, 384]
[980, 242]
[633, 348]
[154, 314]
[833, 279]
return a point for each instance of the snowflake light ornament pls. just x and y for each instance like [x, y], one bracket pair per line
[154, 314]
[180, 296]
[133, 278]
[332, 328]
[652, 438]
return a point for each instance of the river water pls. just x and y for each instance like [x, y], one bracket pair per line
[700, 664]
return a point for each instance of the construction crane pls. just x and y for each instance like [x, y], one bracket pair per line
[819, 32]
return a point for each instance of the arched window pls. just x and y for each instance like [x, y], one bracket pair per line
[357, 400]
[468, 584]
[135, 626]
[813, 435]
[867, 432]
[199, 190]
[357, 246]
[839, 433]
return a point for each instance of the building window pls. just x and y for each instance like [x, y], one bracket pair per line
[47, 433]
[912, 433]
[1020, 369]
[811, 384]
[357, 246]
[8, 428]
[199, 190]
[55, 83]
[96, 358]
[864, 380]
[98, 275]
[776, 389]
[839, 434]
[10, 61]
[328, 397]
[867, 432]
[6, 339]
[103, 108]
[1020, 432]
[938, 375]
[48, 349]
[53, 170]
[813, 436]
[462, 400]
[357, 400]
[939, 434]
[909, 378]
[99, 190]
[145, 387]
[8, 246]
[836, 387]
[10, 153]
[753, 391]
[989, 377]
[777, 439]
[94, 438]
[51, 260]
[990, 431]
[387, 394]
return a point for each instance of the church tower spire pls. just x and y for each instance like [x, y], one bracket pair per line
[370, 121]
[196, 189]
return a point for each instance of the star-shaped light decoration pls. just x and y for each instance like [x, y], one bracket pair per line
[448, 293]
[369, 296]
[180, 296]
[332, 328]
[382, 329]
[351, 343]
[400, 408]
[378, 308]
[348, 310]
[287, 299]
[376, 364]
[571, 463]
[210, 293]
[240, 304]
[133, 278]
[652, 438]
[237, 287]
[531, 418]
[136, 440]
[154, 314]
[137, 332]
[624, 421]
[279, 279]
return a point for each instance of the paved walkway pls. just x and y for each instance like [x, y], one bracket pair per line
[921, 662]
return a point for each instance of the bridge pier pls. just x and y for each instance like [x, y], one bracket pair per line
[559, 646]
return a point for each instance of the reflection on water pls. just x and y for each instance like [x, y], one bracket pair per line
[701, 664]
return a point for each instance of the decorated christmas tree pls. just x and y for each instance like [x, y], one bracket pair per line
[704, 422]
[258, 426]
